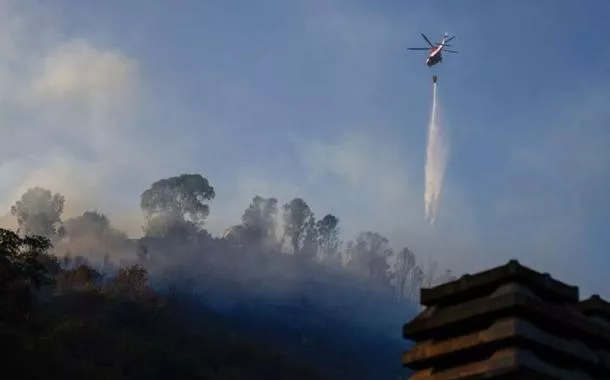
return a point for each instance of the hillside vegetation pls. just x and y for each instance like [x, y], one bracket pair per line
[279, 296]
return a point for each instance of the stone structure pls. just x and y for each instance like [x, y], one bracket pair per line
[509, 322]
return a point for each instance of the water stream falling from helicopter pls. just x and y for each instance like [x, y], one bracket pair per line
[436, 159]
[436, 151]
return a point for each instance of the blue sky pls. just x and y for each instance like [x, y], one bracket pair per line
[320, 99]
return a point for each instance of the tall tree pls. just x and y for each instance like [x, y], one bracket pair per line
[309, 249]
[176, 204]
[259, 217]
[299, 224]
[369, 253]
[39, 212]
[406, 276]
[328, 238]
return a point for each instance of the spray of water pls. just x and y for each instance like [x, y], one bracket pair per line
[436, 157]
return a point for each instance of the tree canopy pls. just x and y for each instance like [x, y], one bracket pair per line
[119, 329]
[39, 212]
[328, 230]
[260, 216]
[176, 204]
[62, 302]
[184, 196]
[299, 224]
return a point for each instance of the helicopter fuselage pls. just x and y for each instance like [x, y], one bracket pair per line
[435, 56]
[434, 59]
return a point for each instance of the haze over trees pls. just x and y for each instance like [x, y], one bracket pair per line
[39, 212]
[198, 306]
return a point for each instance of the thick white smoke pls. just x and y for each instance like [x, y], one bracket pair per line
[436, 159]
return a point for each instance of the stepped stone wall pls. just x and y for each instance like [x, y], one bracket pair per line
[509, 322]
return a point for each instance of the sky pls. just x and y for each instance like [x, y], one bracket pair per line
[320, 99]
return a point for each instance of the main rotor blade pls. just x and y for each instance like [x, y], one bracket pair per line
[418, 48]
[427, 40]
[449, 39]
[449, 51]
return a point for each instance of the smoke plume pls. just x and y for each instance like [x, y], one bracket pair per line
[436, 159]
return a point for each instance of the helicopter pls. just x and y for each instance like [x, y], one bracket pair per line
[435, 56]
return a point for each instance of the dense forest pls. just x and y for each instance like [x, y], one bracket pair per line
[278, 296]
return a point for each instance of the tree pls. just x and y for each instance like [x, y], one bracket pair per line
[91, 234]
[260, 216]
[92, 223]
[299, 224]
[406, 276]
[176, 204]
[21, 258]
[39, 212]
[309, 249]
[368, 255]
[22, 270]
[328, 238]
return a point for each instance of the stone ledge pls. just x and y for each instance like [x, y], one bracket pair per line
[500, 364]
[431, 322]
[506, 330]
[472, 286]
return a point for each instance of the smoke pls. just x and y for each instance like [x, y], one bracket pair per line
[436, 159]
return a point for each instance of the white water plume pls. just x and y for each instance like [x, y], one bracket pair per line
[436, 159]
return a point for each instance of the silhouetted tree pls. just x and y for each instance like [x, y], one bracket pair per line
[176, 205]
[92, 234]
[405, 274]
[260, 216]
[368, 255]
[328, 238]
[21, 272]
[90, 222]
[39, 213]
[299, 224]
